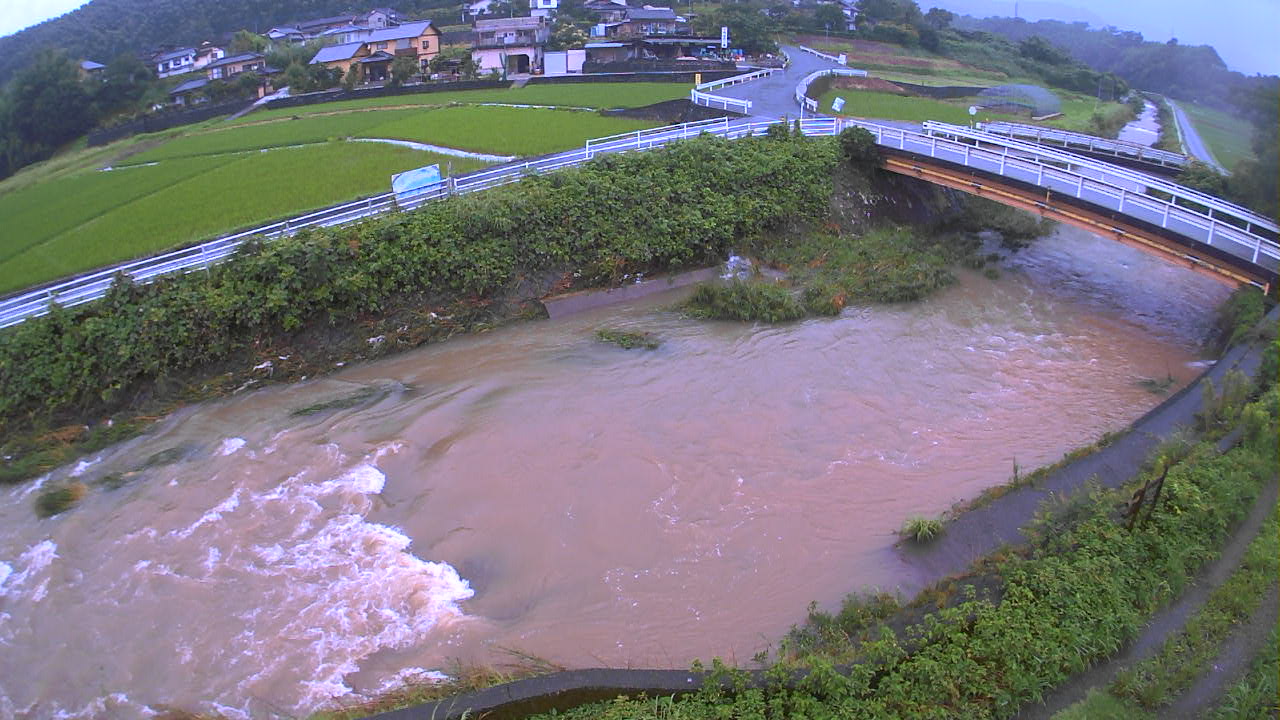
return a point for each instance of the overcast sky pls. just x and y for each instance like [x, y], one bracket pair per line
[17, 14]
[1243, 31]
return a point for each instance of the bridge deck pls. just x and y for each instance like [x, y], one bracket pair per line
[1090, 143]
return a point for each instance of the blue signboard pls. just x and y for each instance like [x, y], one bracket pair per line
[411, 182]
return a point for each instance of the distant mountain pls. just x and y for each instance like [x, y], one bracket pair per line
[103, 29]
[1031, 10]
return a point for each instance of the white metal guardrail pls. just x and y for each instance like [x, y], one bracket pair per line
[716, 101]
[736, 79]
[1185, 221]
[1133, 180]
[841, 59]
[1080, 141]
[802, 89]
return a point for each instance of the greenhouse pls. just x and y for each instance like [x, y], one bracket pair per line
[1036, 100]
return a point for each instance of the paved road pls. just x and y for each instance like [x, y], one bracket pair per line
[775, 96]
[1192, 140]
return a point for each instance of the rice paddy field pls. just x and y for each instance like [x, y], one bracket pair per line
[585, 95]
[495, 130]
[1076, 109]
[91, 207]
[1228, 137]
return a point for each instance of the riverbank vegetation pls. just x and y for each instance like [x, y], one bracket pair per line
[1024, 619]
[410, 277]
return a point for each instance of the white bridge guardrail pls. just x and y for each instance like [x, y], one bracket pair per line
[802, 89]
[1073, 140]
[1133, 180]
[841, 59]
[1185, 221]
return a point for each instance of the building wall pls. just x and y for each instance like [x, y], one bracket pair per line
[491, 58]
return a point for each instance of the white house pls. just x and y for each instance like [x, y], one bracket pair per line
[543, 8]
[514, 44]
[175, 62]
[478, 7]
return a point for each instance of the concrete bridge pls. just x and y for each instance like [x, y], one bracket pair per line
[1103, 186]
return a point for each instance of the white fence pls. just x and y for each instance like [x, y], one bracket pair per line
[802, 89]
[841, 59]
[1109, 191]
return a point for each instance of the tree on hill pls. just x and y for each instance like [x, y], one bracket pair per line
[749, 29]
[45, 106]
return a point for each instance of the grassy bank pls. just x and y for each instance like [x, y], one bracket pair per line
[1023, 621]
[1228, 137]
[476, 259]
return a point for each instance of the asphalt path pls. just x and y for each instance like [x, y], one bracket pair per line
[774, 97]
[1191, 138]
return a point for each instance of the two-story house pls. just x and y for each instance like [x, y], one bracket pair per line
[515, 44]
[207, 54]
[377, 49]
[229, 67]
[649, 21]
[175, 62]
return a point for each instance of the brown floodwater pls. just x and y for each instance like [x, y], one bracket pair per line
[534, 489]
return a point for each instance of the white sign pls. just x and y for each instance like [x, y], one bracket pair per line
[724, 37]
[837, 105]
[973, 110]
[411, 182]
[842, 59]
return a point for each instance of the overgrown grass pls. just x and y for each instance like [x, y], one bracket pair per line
[138, 211]
[749, 301]
[1081, 113]
[627, 339]
[1238, 318]
[496, 130]
[1254, 695]
[1227, 136]
[1101, 705]
[1185, 656]
[921, 529]
[592, 95]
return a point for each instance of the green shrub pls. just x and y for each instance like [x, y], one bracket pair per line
[858, 147]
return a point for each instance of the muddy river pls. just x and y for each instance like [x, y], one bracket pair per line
[534, 489]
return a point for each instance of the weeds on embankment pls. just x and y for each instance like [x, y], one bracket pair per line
[750, 301]
[921, 529]
[1254, 695]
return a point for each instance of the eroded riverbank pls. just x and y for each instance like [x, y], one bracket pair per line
[537, 489]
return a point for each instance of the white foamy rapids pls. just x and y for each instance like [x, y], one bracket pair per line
[27, 585]
[329, 589]
[230, 446]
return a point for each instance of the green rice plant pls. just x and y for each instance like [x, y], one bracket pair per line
[759, 301]
[627, 339]
[34, 214]
[585, 95]
[921, 529]
[228, 195]
[497, 130]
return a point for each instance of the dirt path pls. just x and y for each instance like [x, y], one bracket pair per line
[1233, 660]
[1171, 619]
